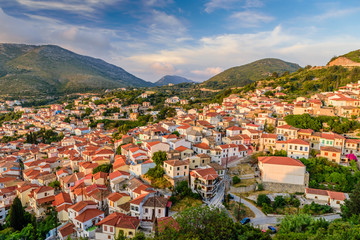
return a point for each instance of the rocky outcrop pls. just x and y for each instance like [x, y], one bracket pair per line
[343, 61]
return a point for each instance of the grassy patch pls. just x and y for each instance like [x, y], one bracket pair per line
[240, 213]
[186, 202]
[241, 169]
[245, 182]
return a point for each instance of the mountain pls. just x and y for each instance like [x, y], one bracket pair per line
[166, 80]
[351, 59]
[242, 75]
[49, 69]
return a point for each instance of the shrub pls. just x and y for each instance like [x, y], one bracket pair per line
[261, 199]
[236, 180]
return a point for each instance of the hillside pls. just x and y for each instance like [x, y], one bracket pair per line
[49, 69]
[242, 75]
[166, 80]
[351, 59]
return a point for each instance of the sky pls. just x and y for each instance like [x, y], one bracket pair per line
[196, 39]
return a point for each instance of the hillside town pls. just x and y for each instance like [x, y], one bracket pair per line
[102, 181]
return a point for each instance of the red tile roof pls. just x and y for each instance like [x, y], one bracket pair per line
[89, 214]
[281, 161]
[120, 220]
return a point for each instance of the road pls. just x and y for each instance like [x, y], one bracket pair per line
[261, 219]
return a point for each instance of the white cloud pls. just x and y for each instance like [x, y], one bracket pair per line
[85, 7]
[213, 5]
[250, 19]
[208, 72]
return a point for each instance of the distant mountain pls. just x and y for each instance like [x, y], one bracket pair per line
[49, 69]
[166, 80]
[242, 75]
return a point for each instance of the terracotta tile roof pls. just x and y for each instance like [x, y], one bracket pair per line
[281, 161]
[67, 230]
[205, 173]
[316, 191]
[202, 146]
[62, 198]
[43, 189]
[120, 220]
[139, 199]
[330, 149]
[116, 196]
[80, 205]
[160, 202]
[182, 148]
[117, 174]
[89, 214]
[337, 195]
[177, 162]
[297, 141]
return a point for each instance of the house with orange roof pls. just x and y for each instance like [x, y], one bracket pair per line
[100, 178]
[62, 202]
[116, 223]
[267, 141]
[332, 198]
[24, 191]
[296, 148]
[85, 216]
[141, 168]
[87, 167]
[115, 200]
[67, 231]
[287, 132]
[331, 153]
[233, 131]
[156, 146]
[184, 152]
[40, 199]
[120, 163]
[205, 181]
[117, 179]
[201, 148]
[283, 173]
[176, 170]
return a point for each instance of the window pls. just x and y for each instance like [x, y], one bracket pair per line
[178, 168]
[334, 154]
[306, 148]
[301, 148]
[327, 142]
[146, 210]
[326, 153]
[111, 229]
[159, 211]
[290, 147]
[185, 167]
[105, 228]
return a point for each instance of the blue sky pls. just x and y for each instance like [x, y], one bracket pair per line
[195, 39]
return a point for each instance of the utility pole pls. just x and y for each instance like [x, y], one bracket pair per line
[226, 169]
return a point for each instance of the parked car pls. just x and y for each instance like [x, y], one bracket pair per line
[245, 221]
[272, 229]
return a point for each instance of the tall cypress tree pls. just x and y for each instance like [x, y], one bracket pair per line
[17, 219]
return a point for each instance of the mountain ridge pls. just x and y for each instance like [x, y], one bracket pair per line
[51, 69]
[241, 75]
[172, 79]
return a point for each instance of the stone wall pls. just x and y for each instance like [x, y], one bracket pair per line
[283, 187]
[250, 188]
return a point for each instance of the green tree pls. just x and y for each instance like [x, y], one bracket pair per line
[55, 184]
[261, 199]
[236, 180]
[159, 158]
[103, 168]
[17, 213]
[351, 206]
